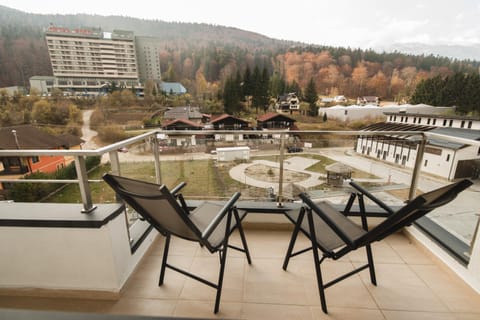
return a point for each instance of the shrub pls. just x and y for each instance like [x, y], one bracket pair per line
[111, 134]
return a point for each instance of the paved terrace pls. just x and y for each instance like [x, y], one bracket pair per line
[412, 284]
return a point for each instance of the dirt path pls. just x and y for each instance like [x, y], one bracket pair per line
[87, 133]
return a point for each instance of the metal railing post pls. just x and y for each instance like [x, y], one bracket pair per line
[417, 168]
[156, 157]
[114, 162]
[280, 177]
[85, 192]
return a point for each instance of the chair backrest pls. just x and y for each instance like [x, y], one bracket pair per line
[156, 204]
[418, 207]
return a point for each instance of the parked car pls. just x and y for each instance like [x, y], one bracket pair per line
[293, 149]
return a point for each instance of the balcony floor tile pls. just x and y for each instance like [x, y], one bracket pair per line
[411, 285]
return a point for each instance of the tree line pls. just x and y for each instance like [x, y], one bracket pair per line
[459, 89]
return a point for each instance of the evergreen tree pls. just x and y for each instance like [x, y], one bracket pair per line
[247, 83]
[265, 92]
[277, 85]
[460, 90]
[231, 95]
[311, 97]
[256, 92]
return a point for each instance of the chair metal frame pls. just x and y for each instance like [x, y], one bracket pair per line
[227, 212]
[395, 221]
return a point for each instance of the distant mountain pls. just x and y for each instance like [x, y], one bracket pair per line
[461, 52]
[204, 56]
[200, 33]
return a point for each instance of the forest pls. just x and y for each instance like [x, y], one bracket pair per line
[204, 58]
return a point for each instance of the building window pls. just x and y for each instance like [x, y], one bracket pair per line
[415, 120]
[425, 163]
[448, 157]
[419, 120]
[434, 121]
[428, 121]
[406, 119]
[469, 124]
[462, 125]
[444, 122]
[35, 159]
[451, 123]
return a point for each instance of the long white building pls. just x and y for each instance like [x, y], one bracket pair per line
[450, 160]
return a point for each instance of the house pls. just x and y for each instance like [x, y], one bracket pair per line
[228, 122]
[288, 103]
[192, 114]
[275, 121]
[31, 138]
[181, 124]
[180, 140]
[368, 100]
[450, 160]
[340, 99]
[172, 88]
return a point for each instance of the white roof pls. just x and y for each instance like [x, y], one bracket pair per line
[232, 149]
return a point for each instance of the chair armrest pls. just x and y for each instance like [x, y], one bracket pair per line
[220, 215]
[179, 187]
[379, 202]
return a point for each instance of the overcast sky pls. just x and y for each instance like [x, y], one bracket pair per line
[365, 24]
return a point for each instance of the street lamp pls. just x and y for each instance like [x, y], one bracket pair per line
[14, 132]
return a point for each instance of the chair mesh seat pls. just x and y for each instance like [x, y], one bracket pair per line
[325, 236]
[202, 215]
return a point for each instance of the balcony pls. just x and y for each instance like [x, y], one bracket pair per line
[427, 271]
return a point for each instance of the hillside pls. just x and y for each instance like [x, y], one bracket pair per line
[203, 56]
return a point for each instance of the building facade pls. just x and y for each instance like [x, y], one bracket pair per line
[148, 58]
[89, 59]
[449, 160]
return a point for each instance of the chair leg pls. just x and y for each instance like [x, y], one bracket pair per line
[317, 262]
[164, 260]
[371, 266]
[242, 236]
[293, 239]
[223, 260]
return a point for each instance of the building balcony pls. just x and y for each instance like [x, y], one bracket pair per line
[96, 258]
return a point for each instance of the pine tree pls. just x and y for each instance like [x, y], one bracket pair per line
[256, 92]
[311, 97]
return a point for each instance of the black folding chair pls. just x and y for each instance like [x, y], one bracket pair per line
[210, 224]
[336, 235]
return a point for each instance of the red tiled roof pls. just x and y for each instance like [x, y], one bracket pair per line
[184, 121]
[225, 116]
[271, 115]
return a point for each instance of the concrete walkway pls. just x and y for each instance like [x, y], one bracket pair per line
[459, 217]
[297, 164]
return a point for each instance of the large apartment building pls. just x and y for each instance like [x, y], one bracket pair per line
[88, 60]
